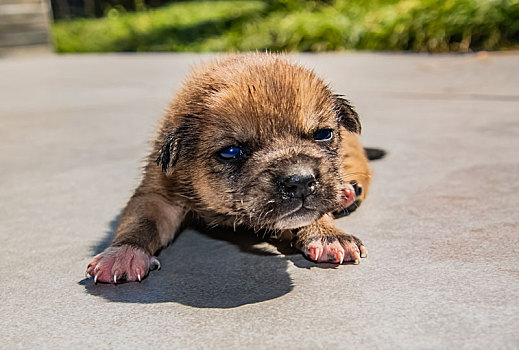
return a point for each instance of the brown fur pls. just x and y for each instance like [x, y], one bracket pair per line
[270, 108]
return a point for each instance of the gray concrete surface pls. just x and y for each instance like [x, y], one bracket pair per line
[441, 225]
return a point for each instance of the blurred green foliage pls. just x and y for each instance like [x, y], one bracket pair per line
[296, 25]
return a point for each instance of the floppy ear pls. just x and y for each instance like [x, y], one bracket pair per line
[168, 154]
[347, 115]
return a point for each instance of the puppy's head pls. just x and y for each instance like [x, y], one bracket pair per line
[255, 140]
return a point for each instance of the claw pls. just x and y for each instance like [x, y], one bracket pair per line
[154, 264]
[314, 254]
[95, 279]
[139, 277]
[115, 279]
[87, 275]
[363, 252]
[341, 257]
[357, 258]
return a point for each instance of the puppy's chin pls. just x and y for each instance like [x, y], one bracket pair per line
[300, 218]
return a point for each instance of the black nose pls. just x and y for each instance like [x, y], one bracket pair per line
[298, 185]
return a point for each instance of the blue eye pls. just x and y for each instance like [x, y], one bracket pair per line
[323, 135]
[231, 153]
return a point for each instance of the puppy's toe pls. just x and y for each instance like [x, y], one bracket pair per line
[353, 248]
[319, 250]
[363, 252]
[335, 252]
[314, 252]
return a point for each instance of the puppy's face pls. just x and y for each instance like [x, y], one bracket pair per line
[263, 148]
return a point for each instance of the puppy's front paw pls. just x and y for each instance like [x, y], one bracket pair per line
[121, 264]
[337, 248]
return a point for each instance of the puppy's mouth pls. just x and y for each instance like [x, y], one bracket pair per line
[300, 215]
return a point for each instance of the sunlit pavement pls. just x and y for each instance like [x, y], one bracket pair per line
[441, 224]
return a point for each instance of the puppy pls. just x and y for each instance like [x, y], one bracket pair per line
[250, 141]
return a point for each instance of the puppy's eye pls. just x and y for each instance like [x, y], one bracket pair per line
[323, 135]
[229, 153]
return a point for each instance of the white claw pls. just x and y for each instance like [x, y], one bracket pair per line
[87, 275]
[95, 279]
[139, 277]
[341, 259]
[154, 262]
[115, 279]
[363, 252]
[317, 253]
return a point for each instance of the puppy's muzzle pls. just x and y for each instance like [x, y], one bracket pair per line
[298, 185]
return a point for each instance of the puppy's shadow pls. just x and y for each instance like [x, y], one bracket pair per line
[208, 269]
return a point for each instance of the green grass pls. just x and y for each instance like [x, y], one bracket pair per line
[292, 25]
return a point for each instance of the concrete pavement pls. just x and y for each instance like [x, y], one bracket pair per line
[441, 224]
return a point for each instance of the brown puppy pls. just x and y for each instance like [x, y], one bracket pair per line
[253, 141]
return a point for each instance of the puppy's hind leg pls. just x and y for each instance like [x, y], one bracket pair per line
[148, 223]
